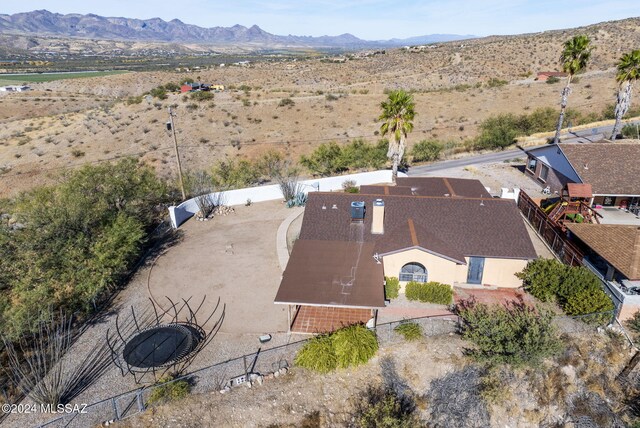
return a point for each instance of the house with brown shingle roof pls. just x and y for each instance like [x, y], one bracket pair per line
[613, 254]
[423, 229]
[612, 170]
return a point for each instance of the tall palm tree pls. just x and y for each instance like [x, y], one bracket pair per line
[397, 116]
[628, 73]
[575, 55]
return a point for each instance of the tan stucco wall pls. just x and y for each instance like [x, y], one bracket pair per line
[497, 272]
[501, 272]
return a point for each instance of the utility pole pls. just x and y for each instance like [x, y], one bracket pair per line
[175, 145]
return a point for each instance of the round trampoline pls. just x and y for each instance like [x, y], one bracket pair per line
[161, 345]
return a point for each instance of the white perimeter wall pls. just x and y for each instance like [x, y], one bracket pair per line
[179, 214]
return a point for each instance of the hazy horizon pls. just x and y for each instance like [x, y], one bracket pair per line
[366, 19]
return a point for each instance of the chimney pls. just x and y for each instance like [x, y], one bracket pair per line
[377, 222]
[357, 211]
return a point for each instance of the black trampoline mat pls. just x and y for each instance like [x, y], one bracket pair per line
[159, 346]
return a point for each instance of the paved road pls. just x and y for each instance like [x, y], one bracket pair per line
[589, 135]
[471, 160]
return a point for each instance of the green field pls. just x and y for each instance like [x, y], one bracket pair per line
[17, 79]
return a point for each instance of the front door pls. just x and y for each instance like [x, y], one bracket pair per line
[476, 267]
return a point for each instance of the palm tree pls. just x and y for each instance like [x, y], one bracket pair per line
[628, 73]
[574, 58]
[397, 116]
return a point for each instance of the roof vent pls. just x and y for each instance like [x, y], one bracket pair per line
[357, 211]
[324, 207]
[334, 207]
[586, 166]
[377, 222]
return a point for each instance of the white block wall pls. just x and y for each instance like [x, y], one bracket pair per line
[179, 214]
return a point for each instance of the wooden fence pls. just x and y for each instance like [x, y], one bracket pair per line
[551, 232]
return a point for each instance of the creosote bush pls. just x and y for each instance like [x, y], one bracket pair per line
[382, 407]
[347, 347]
[409, 330]
[431, 292]
[513, 333]
[426, 151]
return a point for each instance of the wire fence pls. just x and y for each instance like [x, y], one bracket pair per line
[271, 362]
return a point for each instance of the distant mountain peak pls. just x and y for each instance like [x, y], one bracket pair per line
[44, 22]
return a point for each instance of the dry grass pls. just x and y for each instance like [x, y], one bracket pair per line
[450, 85]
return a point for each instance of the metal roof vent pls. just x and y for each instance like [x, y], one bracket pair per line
[357, 211]
[334, 207]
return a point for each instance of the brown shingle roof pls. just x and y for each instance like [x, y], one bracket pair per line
[333, 273]
[577, 190]
[617, 244]
[440, 186]
[610, 168]
[470, 227]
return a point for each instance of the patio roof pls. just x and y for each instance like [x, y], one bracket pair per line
[332, 273]
[617, 244]
[577, 190]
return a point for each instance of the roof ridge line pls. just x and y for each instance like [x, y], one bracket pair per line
[456, 198]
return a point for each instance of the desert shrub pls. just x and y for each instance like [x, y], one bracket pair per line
[542, 278]
[630, 131]
[80, 239]
[234, 175]
[552, 79]
[382, 407]
[409, 330]
[359, 154]
[325, 160]
[171, 87]
[494, 388]
[391, 287]
[633, 324]
[350, 186]
[497, 132]
[494, 82]
[201, 96]
[426, 151]
[134, 100]
[318, 354]
[354, 345]
[168, 390]
[576, 289]
[286, 102]
[432, 292]
[159, 93]
[76, 153]
[514, 333]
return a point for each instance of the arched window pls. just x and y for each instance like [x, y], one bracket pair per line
[413, 272]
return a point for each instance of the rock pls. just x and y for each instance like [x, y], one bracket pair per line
[276, 374]
[283, 371]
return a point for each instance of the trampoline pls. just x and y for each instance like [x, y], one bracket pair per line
[161, 345]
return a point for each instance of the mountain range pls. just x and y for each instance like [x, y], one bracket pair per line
[90, 26]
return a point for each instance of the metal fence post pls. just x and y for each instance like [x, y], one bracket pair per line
[141, 406]
[114, 403]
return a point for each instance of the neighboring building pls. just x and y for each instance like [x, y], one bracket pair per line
[192, 87]
[217, 88]
[611, 169]
[20, 88]
[613, 254]
[543, 76]
[424, 229]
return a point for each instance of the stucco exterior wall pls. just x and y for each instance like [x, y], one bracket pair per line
[501, 272]
[497, 272]
[438, 268]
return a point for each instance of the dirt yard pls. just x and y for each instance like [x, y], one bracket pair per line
[233, 257]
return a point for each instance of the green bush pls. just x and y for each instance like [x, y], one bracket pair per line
[391, 287]
[286, 102]
[498, 132]
[134, 100]
[80, 239]
[382, 407]
[318, 354]
[349, 346]
[514, 333]
[354, 345]
[325, 160]
[494, 82]
[233, 175]
[432, 292]
[409, 330]
[552, 79]
[576, 289]
[426, 151]
[201, 96]
[171, 87]
[159, 93]
[633, 324]
[169, 390]
[630, 131]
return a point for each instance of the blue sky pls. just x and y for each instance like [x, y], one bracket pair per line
[367, 19]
